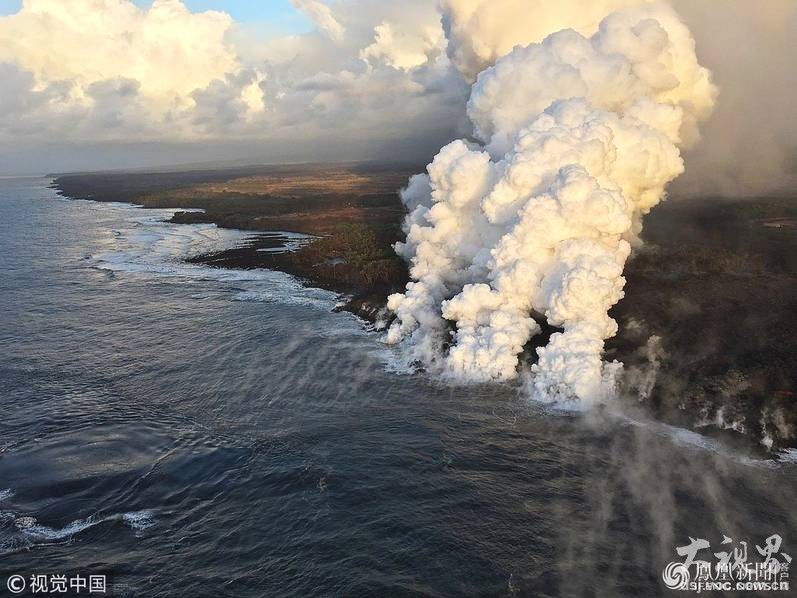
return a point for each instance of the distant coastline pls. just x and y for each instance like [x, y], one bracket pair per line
[352, 211]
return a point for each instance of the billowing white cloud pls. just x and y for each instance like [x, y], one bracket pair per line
[100, 70]
[578, 138]
[481, 31]
[403, 49]
[166, 48]
[125, 72]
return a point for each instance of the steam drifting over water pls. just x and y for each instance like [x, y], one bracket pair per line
[578, 136]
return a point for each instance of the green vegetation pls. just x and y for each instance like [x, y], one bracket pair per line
[357, 254]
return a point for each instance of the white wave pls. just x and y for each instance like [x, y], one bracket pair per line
[29, 526]
[690, 438]
[139, 520]
[253, 297]
[559, 406]
[146, 244]
[394, 361]
[42, 532]
[288, 292]
[6, 494]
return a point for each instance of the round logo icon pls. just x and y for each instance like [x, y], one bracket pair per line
[676, 576]
[16, 584]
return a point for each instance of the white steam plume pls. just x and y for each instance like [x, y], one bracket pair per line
[481, 31]
[580, 135]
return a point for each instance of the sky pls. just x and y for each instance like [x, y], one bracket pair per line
[280, 12]
[94, 84]
[279, 17]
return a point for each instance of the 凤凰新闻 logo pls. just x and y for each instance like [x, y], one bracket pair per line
[731, 567]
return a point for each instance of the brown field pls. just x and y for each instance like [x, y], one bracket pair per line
[324, 181]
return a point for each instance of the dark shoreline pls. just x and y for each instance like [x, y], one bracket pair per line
[368, 304]
[707, 328]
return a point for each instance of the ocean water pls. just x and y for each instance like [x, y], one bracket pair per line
[189, 431]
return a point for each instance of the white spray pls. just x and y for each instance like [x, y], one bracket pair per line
[579, 137]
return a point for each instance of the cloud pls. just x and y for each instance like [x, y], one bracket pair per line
[124, 72]
[116, 103]
[228, 103]
[481, 31]
[403, 49]
[100, 70]
[321, 15]
[25, 106]
[168, 49]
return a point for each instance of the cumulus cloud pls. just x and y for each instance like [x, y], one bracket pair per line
[105, 70]
[322, 16]
[403, 49]
[227, 103]
[128, 73]
[168, 49]
[26, 106]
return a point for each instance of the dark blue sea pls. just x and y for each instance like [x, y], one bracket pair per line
[191, 432]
